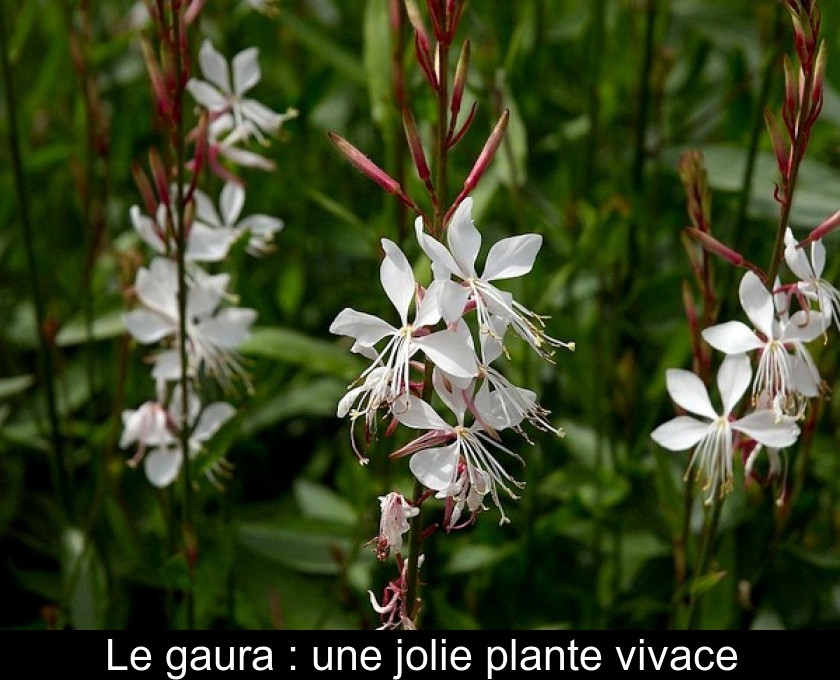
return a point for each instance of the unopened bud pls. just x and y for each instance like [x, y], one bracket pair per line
[821, 231]
[163, 101]
[367, 167]
[779, 145]
[144, 187]
[460, 81]
[159, 176]
[415, 145]
[487, 153]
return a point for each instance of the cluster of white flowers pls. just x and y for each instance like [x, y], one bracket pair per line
[785, 380]
[459, 324]
[214, 326]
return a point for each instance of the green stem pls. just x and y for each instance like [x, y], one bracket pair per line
[181, 240]
[60, 470]
[710, 528]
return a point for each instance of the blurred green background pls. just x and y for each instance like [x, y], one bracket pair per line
[604, 96]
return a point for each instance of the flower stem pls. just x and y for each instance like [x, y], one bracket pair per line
[181, 236]
[710, 528]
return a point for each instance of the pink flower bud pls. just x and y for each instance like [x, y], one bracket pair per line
[487, 154]
[821, 231]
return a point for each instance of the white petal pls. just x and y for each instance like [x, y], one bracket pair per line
[211, 419]
[208, 244]
[453, 300]
[441, 258]
[205, 211]
[231, 201]
[449, 353]
[757, 302]
[205, 295]
[436, 468]
[146, 228]
[450, 394]
[247, 159]
[397, 278]
[818, 258]
[230, 327]
[207, 96]
[365, 328]
[428, 312]
[463, 238]
[796, 259]
[157, 286]
[262, 116]
[766, 428]
[733, 379]
[681, 433]
[162, 466]
[417, 414]
[732, 337]
[147, 326]
[688, 391]
[512, 257]
[246, 70]
[214, 66]
[167, 365]
[804, 326]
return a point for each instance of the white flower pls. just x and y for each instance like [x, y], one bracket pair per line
[148, 427]
[260, 228]
[712, 433]
[389, 376]
[212, 334]
[811, 284]
[205, 243]
[393, 523]
[509, 258]
[463, 469]
[786, 378]
[225, 95]
[163, 464]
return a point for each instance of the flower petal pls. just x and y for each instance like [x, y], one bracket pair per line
[768, 429]
[512, 257]
[162, 466]
[441, 258]
[757, 302]
[415, 413]
[449, 353]
[214, 66]
[207, 96]
[804, 326]
[733, 379]
[732, 337]
[365, 328]
[246, 70]
[689, 392]
[463, 238]
[211, 420]
[231, 201]
[397, 278]
[436, 468]
[230, 327]
[147, 326]
[680, 433]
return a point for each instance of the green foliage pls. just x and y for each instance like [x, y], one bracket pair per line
[598, 539]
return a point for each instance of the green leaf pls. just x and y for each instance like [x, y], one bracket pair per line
[319, 502]
[291, 347]
[75, 332]
[317, 398]
[470, 558]
[9, 387]
[377, 59]
[305, 548]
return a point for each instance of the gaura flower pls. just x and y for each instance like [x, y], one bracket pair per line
[395, 511]
[463, 468]
[811, 284]
[259, 228]
[784, 377]
[212, 333]
[223, 94]
[509, 258]
[712, 434]
[389, 376]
